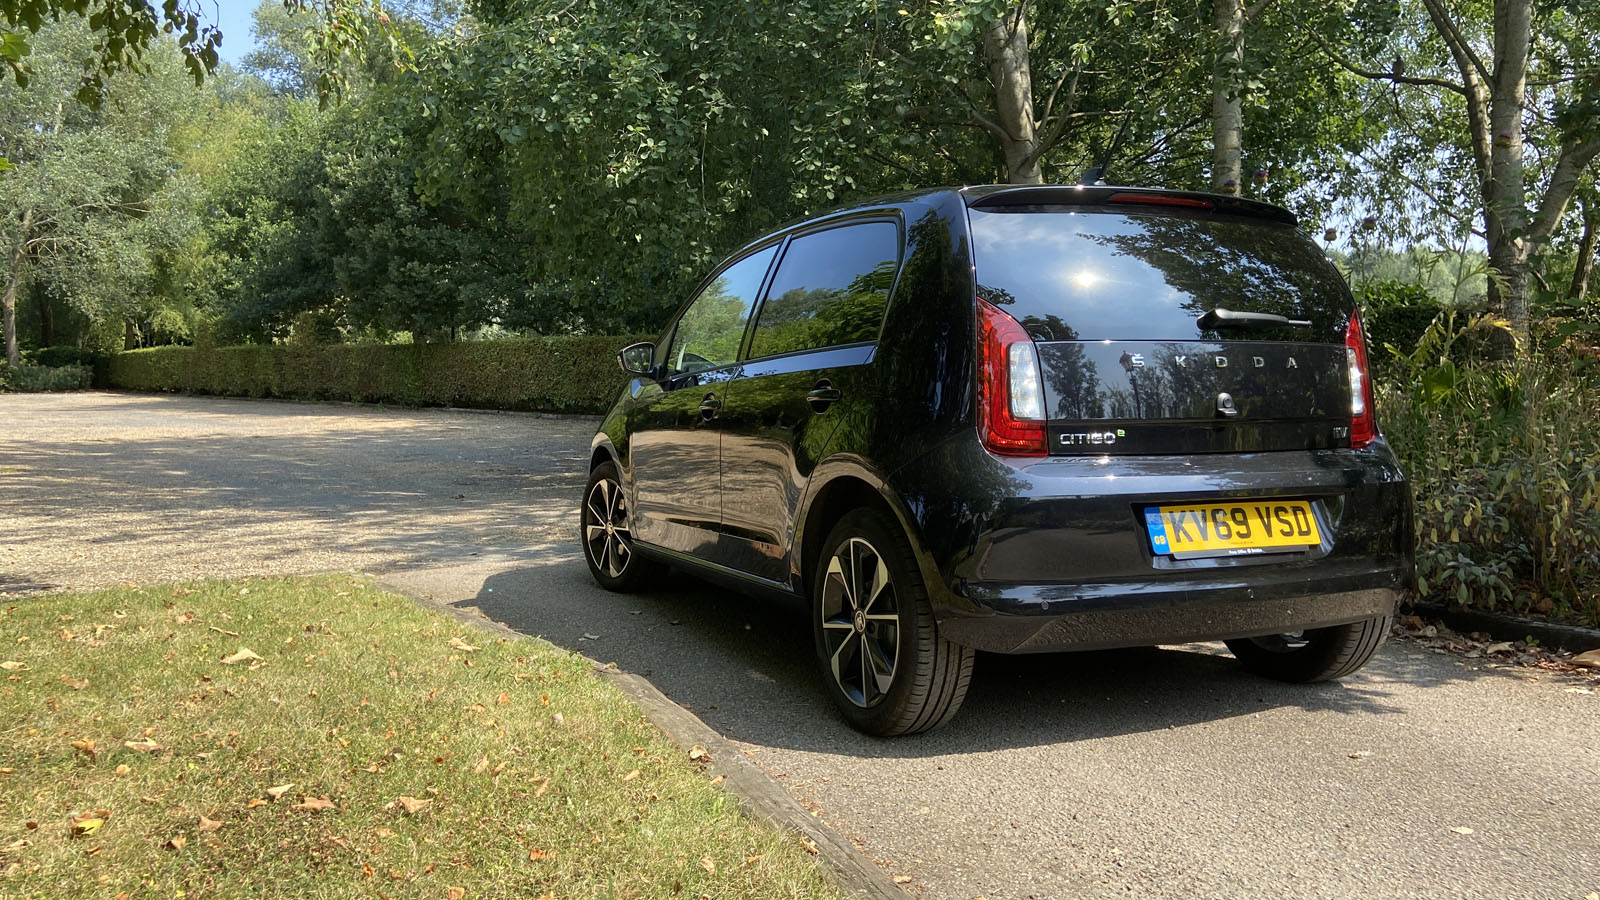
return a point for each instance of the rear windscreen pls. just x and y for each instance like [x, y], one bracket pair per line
[1086, 274]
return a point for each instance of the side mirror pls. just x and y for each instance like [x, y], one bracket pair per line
[638, 359]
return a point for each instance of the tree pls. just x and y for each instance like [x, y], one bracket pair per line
[79, 208]
[1485, 106]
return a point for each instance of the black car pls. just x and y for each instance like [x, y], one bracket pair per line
[1016, 419]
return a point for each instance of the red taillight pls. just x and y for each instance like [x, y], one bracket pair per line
[1363, 417]
[1161, 200]
[1010, 390]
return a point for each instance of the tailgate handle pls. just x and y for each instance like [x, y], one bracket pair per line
[823, 396]
[1228, 318]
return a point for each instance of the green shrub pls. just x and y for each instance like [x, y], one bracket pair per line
[547, 374]
[1394, 313]
[29, 379]
[56, 357]
[1504, 459]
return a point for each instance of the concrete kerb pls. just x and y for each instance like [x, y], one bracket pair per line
[758, 794]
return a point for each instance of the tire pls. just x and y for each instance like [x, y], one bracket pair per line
[1321, 654]
[606, 534]
[883, 664]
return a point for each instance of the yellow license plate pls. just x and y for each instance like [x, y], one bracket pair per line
[1237, 528]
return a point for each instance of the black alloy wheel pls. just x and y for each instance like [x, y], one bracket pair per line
[884, 665]
[607, 535]
[860, 622]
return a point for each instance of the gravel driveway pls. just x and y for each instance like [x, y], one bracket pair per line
[101, 488]
[1134, 774]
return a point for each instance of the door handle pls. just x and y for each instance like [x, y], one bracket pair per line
[710, 406]
[823, 396]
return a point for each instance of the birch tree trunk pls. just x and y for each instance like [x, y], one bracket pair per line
[1005, 46]
[1506, 203]
[1227, 102]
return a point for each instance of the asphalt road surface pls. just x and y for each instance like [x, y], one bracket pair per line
[1163, 773]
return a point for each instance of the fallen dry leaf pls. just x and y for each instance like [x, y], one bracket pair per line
[1459, 829]
[142, 746]
[86, 826]
[412, 805]
[277, 793]
[176, 843]
[13, 666]
[1587, 660]
[245, 654]
[208, 824]
[16, 845]
[455, 893]
[902, 879]
[123, 770]
[481, 766]
[719, 779]
[315, 804]
[85, 746]
[698, 753]
[456, 643]
[709, 864]
[631, 775]
[76, 684]
[536, 854]
[503, 699]
[255, 802]
[544, 785]
[223, 631]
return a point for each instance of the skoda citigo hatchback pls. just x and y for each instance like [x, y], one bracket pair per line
[1016, 419]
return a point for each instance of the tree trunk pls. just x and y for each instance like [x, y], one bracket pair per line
[1005, 45]
[13, 357]
[47, 316]
[1227, 101]
[1506, 222]
[19, 254]
[1583, 266]
[130, 335]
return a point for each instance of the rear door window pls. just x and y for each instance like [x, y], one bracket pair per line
[1085, 274]
[709, 331]
[831, 288]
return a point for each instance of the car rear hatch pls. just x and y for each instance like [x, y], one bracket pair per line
[1169, 322]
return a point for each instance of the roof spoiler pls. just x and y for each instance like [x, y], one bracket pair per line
[1102, 195]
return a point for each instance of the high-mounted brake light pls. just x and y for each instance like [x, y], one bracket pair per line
[1161, 200]
[1363, 417]
[1010, 387]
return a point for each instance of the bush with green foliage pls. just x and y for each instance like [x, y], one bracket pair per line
[56, 357]
[1395, 313]
[574, 373]
[32, 379]
[1504, 461]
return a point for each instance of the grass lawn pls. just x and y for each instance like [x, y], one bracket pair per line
[374, 749]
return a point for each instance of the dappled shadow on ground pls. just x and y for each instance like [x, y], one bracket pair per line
[151, 488]
[746, 667]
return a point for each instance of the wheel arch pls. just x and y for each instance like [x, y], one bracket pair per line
[834, 491]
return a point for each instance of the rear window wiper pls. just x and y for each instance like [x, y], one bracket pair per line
[1227, 318]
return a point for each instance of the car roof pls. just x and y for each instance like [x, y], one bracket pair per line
[999, 196]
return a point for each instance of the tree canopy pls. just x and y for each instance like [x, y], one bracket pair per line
[558, 166]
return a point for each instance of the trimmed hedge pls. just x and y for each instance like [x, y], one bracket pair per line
[546, 374]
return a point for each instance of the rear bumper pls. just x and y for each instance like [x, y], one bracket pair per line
[1053, 554]
[1139, 615]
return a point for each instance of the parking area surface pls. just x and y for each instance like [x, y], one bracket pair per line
[1162, 773]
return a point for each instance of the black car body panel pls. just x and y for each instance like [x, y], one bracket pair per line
[738, 468]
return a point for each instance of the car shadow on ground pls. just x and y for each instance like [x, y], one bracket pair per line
[747, 668]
